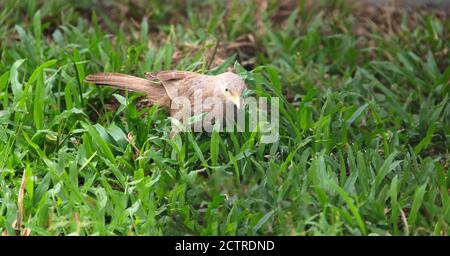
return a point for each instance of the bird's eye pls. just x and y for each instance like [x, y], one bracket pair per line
[226, 89]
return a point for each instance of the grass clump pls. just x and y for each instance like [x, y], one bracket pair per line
[364, 121]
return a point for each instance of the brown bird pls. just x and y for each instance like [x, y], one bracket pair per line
[169, 89]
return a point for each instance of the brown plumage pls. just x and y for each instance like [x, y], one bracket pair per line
[170, 88]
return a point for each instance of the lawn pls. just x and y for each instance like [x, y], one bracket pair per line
[364, 120]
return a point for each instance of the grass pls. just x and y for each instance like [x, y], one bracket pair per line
[364, 122]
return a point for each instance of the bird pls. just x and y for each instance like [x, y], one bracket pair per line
[201, 93]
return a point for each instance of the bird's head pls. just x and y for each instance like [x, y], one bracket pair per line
[230, 87]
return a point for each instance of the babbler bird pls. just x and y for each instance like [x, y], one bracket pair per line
[201, 93]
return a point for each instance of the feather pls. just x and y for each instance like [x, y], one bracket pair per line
[155, 92]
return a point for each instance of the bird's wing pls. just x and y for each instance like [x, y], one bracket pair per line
[180, 83]
[169, 75]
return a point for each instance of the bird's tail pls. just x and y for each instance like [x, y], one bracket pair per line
[121, 81]
[156, 93]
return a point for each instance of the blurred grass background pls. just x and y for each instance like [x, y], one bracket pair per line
[364, 119]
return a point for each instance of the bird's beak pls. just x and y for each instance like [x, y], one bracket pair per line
[236, 100]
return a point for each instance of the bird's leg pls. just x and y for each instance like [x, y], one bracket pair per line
[172, 133]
